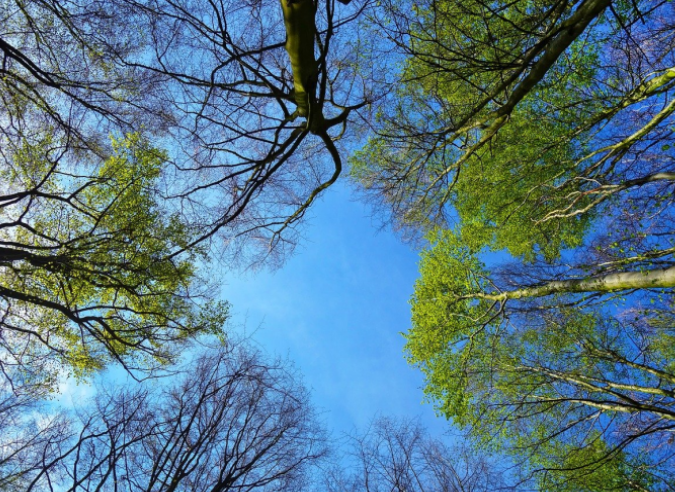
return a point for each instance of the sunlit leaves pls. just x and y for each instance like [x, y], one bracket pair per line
[95, 268]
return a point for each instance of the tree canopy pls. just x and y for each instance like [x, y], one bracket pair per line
[132, 156]
[215, 84]
[531, 142]
[400, 455]
[228, 420]
[553, 106]
[92, 269]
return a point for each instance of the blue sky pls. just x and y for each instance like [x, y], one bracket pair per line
[336, 309]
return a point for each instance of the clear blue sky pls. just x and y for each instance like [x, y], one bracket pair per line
[336, 309]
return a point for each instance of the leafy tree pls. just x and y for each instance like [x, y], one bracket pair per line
[229, 420]
[540, 130]
[522, 116]
[92, 267]
[567, 382]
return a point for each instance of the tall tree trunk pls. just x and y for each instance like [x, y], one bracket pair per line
[649, 279]
[300, 38]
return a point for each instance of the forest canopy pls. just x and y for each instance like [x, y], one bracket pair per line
[132, 157]
[531, 144]
[527, 145]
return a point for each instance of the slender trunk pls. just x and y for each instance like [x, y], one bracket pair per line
[649, 279]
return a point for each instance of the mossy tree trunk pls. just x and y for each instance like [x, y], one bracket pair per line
[300, 39]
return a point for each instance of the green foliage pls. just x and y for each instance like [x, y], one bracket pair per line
[567, 389]
[537, 134]
[592, 467]
[515, 155]
[100, 271]
[504, 188]
[444, 333]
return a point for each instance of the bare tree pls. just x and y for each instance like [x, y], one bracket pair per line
[231, 421]
[244, 77]
[29, 430]
[216, 81]
[399, 456]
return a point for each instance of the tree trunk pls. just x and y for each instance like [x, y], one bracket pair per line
[300, 35]
[648, 279]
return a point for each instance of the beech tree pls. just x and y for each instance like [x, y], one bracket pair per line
[524, 117]
[534, 141]
[571, 376]
[92, 269]
[225, 120]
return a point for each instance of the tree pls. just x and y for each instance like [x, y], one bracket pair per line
[101, 237]
[209, 79]
[252, 166]
[399, 455]
[90, 270]
[554, 107]
[230, 421]
[27, 430]
[571, 384]
[541, 130]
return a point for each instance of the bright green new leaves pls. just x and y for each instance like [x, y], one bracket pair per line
[504, 188]
[93, 269]
[445, 319]
[520, 120]
[570, 388]
[608, 471]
